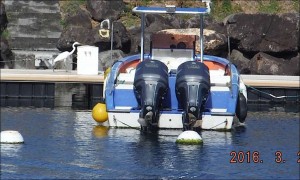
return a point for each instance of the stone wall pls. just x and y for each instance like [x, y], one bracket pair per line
[259, 43]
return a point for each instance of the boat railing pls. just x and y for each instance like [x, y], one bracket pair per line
[173, 10]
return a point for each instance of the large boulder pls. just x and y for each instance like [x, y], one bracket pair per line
[264, 64]
[240, 61]
[3, 18]
[80, 18]
[264, 32]
[155, 22]
[214, 43]
[136, 42]
[6, 55]
[121, 38]
[78, 28]
[105, 9]
[73, 34]
[208, 23]
[107, 58]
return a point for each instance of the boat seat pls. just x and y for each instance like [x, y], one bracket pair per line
[173, 63]
[126, 78]
[217, 78]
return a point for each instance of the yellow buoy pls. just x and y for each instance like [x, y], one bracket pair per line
[99, 113]
[107, 71]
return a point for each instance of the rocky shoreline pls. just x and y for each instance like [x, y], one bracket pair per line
[266, 44]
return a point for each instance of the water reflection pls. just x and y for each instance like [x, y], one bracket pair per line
[100, 131]
[11, 150]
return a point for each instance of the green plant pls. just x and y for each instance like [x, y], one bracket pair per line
[5, 34]
[296, 5]
[221, 9]
[63, 23]
[128, 18]
[70, 7]
[271, 7]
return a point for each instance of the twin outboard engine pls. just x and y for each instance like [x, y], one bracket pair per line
[192, 87]
[150, 85]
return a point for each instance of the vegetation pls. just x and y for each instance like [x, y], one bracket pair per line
[296, 5]
[5, 34]
[221, 9]
[271, 7]
[70, 7]
[128, 18]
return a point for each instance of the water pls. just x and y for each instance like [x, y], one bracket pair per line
[68, 144]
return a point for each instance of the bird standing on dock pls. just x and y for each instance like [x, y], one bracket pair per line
[63, 56]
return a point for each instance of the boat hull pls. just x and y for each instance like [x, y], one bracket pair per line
[169, 121]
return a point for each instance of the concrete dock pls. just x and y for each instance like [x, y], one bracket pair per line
[48, 75]
[26, 75]
[48, 88]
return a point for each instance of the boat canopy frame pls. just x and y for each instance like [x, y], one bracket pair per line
[170, 9]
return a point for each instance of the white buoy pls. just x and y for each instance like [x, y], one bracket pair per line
[189, 137]
[11, 137]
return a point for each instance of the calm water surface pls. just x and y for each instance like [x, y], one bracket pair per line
[68, 144]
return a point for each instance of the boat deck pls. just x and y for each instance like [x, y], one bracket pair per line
[60, 76]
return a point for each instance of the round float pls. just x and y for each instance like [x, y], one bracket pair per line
[11, 137]
[189, 138]
[99, 113]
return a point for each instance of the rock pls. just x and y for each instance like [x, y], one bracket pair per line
[155, 22]
[214, 43]
[3, 18]
[264, 32]
[78, 28]
[264, 64]
[156, 18]
[241, 62]
[80, 19]
[208, 23]
[6, 55]
[104, 9]
[121, 38]
[73, 34]
[294, 65]
[176, 22]
[105, 60]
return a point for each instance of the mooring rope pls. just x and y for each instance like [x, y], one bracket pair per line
[269, 94]
[218, 124]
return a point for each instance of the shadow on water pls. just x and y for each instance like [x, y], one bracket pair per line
[274, 107]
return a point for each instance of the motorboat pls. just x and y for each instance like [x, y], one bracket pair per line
[173, 86]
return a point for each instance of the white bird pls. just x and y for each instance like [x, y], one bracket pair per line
[64, 55]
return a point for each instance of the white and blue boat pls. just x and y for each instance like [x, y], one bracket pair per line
[173, 87]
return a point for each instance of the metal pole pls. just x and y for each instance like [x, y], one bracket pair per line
[111, 40]
[142, 36]
[201, 37]
[228, 43]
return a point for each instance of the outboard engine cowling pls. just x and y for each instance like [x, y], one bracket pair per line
[150, 85]
[192, 87]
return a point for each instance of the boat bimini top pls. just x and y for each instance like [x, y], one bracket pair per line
[170, 9]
